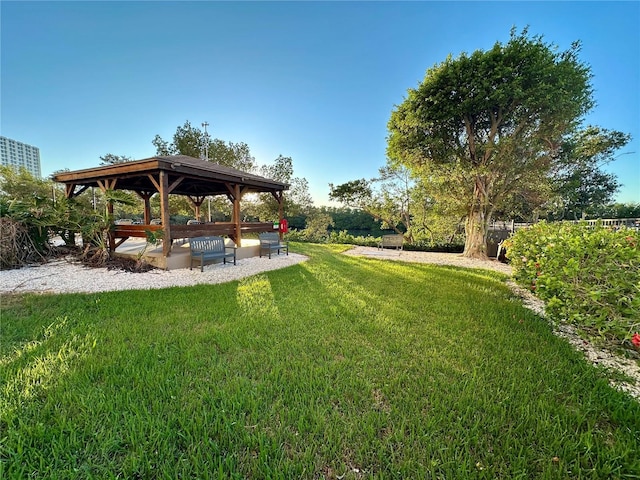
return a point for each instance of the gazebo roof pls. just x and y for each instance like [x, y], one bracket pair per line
[188, 175]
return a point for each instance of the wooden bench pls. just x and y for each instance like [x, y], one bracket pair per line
[391, 241]
[204, 249]
[270, 242]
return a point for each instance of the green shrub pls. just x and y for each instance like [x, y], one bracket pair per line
[589, 276]
[343, 237]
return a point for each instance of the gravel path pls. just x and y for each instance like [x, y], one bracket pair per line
[64, 276]
[436, 258]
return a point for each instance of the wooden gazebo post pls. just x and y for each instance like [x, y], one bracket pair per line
[164, 213]
[279, 196]
[234, 194]
[197, 203]
[146, 196]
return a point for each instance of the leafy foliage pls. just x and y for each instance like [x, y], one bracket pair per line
[386, 198]
[616, 210]
[297, 199]
[33, 210]
[587, 276]
[486, 126]
[580, 186]
[192, 141]
[111, 159]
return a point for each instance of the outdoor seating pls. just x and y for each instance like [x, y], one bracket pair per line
[391, 241]
[204, 249]
[270, 242]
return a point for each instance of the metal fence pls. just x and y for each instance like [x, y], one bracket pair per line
[615, 223]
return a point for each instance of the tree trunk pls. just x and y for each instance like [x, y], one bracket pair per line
[476, 225]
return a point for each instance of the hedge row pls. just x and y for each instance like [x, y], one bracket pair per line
[344, 237]
[588, 276]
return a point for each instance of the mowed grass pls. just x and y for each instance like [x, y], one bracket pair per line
[339, 367]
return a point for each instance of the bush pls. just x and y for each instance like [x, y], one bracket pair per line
[589, 276]
[345, 238]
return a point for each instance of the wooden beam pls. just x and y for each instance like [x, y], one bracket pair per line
[277, 195]
[177, 182]
[196, 202]
[107, 184]
[69, 190]
[156, 183]
[82, 189]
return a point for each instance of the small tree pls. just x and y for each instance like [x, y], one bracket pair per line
[111, 159]
[386, 198]
[317, 229]
[297, 200]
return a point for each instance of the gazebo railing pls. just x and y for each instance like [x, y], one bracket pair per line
[228, 229]
[126, 231]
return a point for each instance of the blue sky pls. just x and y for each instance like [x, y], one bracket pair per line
[315, 81]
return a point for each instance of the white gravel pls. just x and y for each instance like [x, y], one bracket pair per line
[436, 258]
[65, 276]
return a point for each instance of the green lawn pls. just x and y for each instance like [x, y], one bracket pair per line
[339, 367]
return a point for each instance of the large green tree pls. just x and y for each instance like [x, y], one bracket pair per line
[483, 126]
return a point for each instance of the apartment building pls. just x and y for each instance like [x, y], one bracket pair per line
[17, 154]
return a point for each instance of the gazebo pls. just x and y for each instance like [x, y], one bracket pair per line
[176, 175]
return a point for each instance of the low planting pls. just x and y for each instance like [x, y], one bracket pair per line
[345, 238]
[339, 367]
[589, 276]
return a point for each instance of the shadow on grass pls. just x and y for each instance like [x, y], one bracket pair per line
[339, 366]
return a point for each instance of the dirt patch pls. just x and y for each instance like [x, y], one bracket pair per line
[129, 265]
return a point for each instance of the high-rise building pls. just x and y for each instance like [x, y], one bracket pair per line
[17, 154]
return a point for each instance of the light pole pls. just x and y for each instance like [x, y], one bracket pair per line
[206, 141]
